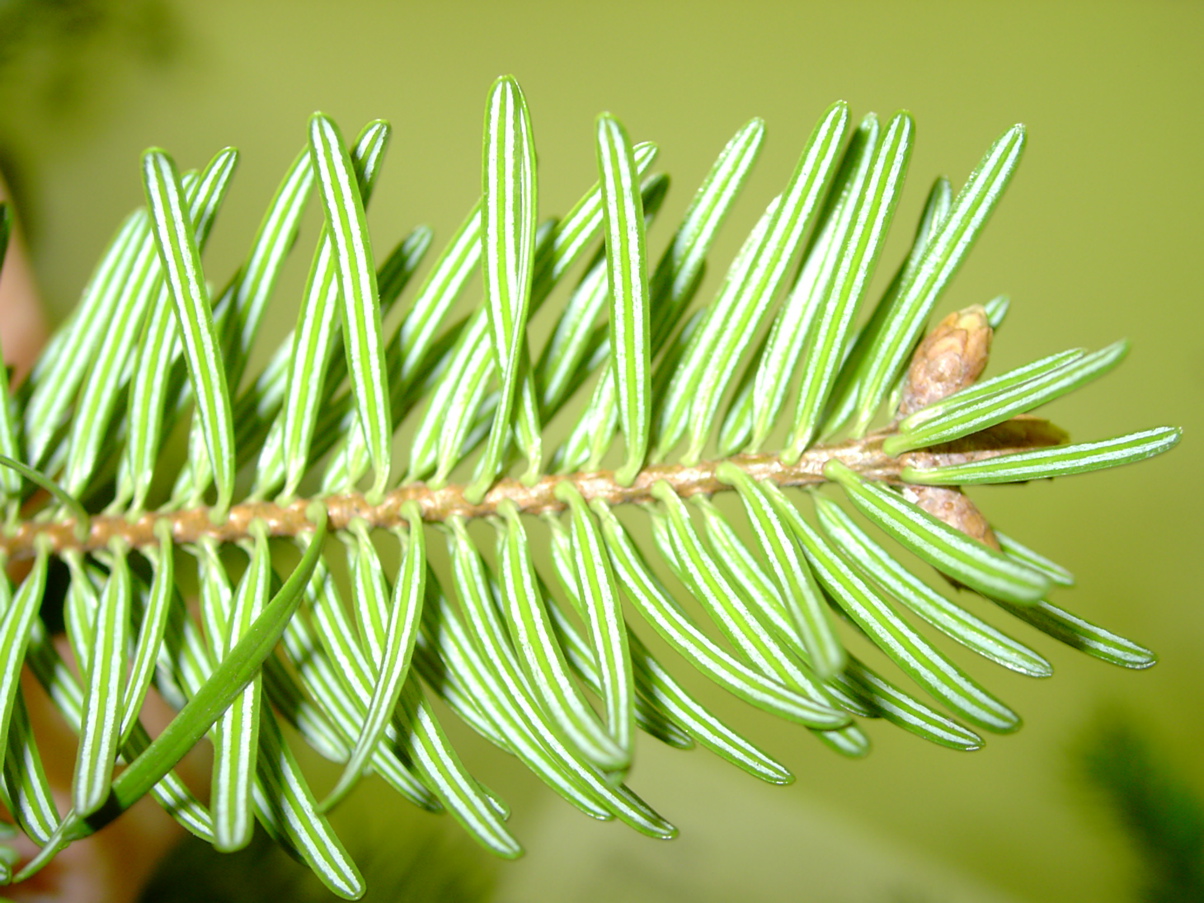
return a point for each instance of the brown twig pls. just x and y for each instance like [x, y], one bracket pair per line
[288, 519]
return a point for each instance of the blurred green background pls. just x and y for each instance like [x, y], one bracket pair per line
[1099, 237]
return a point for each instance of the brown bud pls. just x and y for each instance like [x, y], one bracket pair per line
[951, 357]
[1021, 432]
[955, 508]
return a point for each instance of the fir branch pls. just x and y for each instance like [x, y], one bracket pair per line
[510, 650]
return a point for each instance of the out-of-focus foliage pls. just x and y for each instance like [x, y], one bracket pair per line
[401, 870]
[45, 45]
[1161, 813]
[57, 56]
